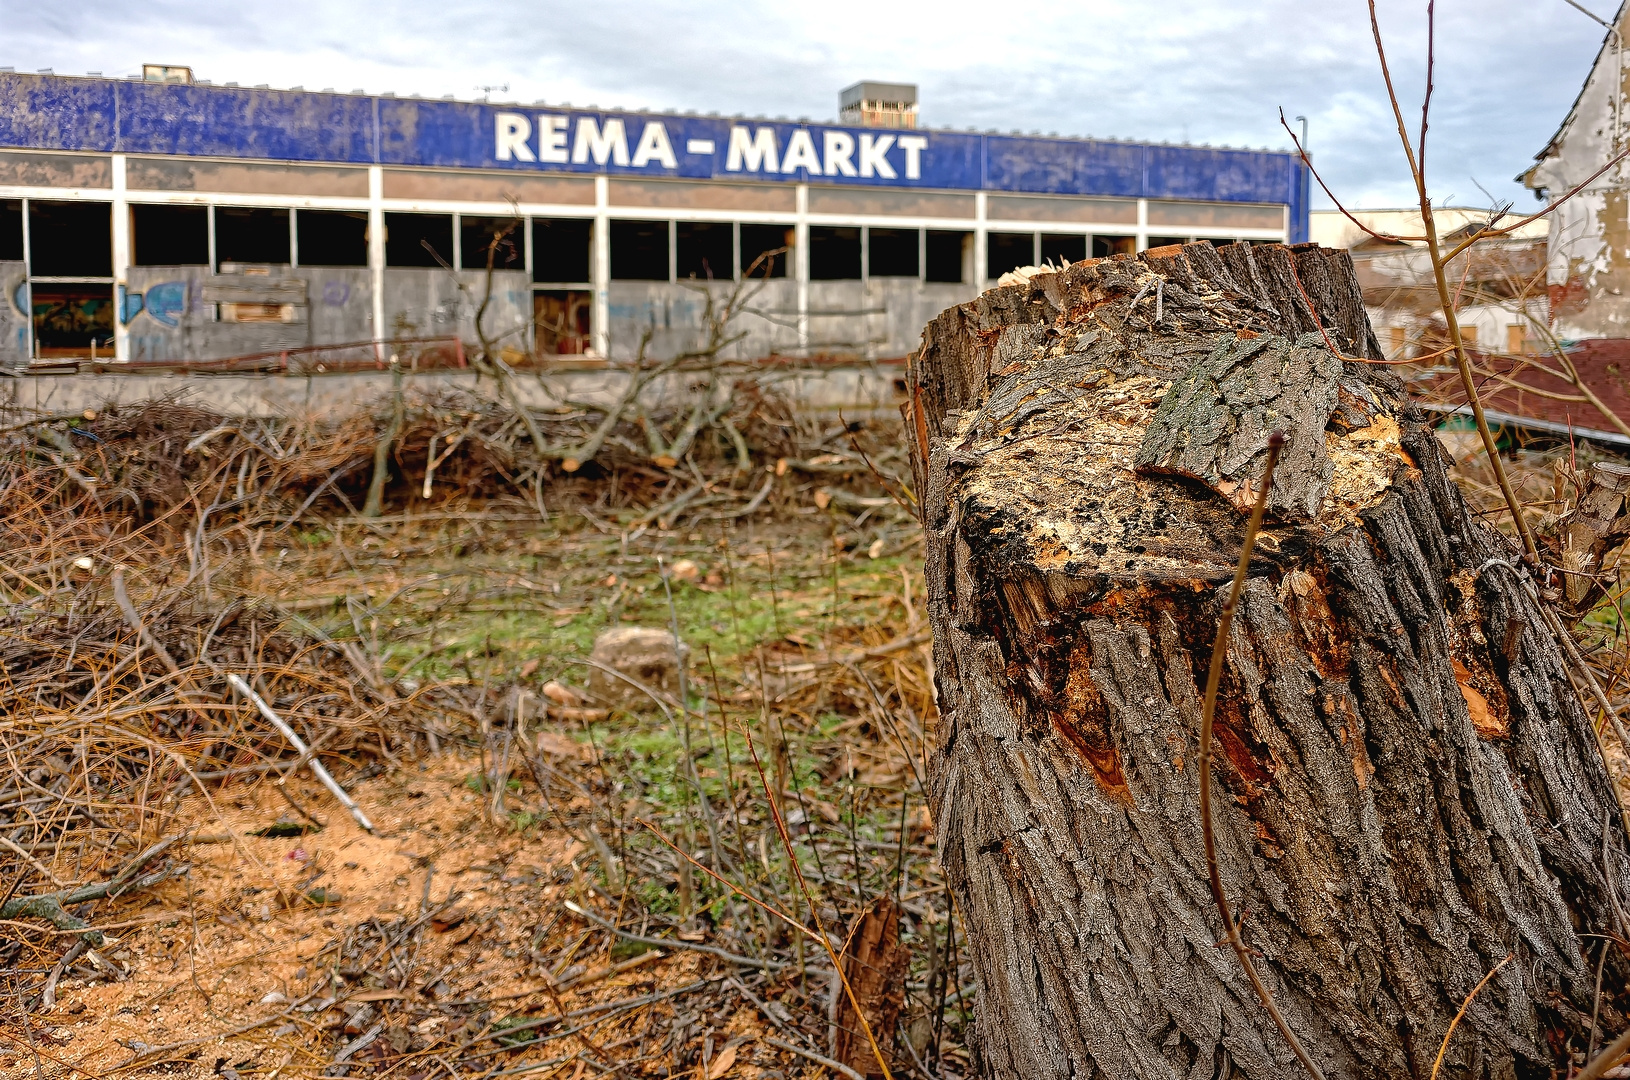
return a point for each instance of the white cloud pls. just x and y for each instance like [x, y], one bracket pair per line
[1208, 70]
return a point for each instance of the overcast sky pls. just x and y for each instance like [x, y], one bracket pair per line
[1204, 71]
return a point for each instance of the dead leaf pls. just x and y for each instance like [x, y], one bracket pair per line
[664, 461]
[1487, 725]
[823, 499]
[529, 667]
[561, 694]
[556, 745]
[722, 1063]
[448, 919]
[781, 467]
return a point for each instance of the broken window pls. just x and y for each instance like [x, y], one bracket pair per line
[11, 230]
[170, 235]
[1061, 248]
[560, 249]
[422, 240]
[560, 319]
[71, 320]
[1104, 247]
[704, 250]
[251, 234]
[756, 240]
[332, 237]
[834, 253]
[70, 239]
[946, 255]
[1005, 251]
[501, 236]
[892, 252]
[639, 250]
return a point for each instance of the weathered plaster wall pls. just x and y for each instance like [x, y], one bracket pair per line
[13, 314]
[1589, 269]
[177, 317]
[430, 303]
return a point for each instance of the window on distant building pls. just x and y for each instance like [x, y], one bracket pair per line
[70, 239]
[1006, 251]
[560, 250]
[1104, 247]
[639, 250]
[501, 236]
[11, 230]
[419, 240]
[1061, 248]
[757, 240]
[947, 255]
[169, 235]
[705, 250]
[251, 234]
[834, 253]
[892, 252]
[332, 237]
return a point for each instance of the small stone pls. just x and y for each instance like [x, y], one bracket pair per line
[643, 653]
[561, 694]
[274, 998]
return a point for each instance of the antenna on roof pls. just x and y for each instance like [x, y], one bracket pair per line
[496, 88]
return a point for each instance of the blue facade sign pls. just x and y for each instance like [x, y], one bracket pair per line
[108, 115]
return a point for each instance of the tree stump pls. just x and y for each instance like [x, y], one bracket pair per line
[1406, 790]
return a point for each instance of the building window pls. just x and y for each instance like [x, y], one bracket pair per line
[766, 250]
[1165, 241]
[170, 235]
[560, 249]
[834, 253]
[1104, 247]
[1005, 251]
[705, 250]
[421, 240]
[560, 320]
[639, 250]
[1062, 249]
[332, 237]
[71, 320]
[499, 236]
[892, 252]
[70, 239]
[1516, 338]
[11, 230]
[251, 234]
[947, 255]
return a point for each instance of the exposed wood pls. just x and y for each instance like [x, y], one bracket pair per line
[1407, 787]
[875, 964]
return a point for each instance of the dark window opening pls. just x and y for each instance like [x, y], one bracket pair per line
[170, 235]
[892, 253]
[834, 253]
[501, 237]
[332, 237]
[1218, 242]
[704, 250]
[70, 239]
[560, 319]
[1006, 251]
[946, 254]
[422, 240]
[1103, 247]
[560, 249]
[251, 235]
[761, 240]
[71, 320]
[639, 250]
[1165, 241]
[1062, 248]
[11, 230]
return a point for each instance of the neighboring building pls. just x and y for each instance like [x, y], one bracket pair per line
[1499, 285]
[166, 220]
[1589, 263]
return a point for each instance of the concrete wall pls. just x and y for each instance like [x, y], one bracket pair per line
[857, 391]
[1589, 267]
[178, 318]
[14, 314]
[429, 303]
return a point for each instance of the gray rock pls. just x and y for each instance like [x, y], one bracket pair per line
[642, 653]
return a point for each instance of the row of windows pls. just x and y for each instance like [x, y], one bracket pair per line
[75, 240]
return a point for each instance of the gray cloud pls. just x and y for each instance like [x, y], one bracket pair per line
[1198, 70]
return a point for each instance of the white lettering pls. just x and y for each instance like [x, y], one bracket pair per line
[552, 139]
[513, 132]
[872, 161]
[654, 146]
[913, 145]
[759, 151]
[611, 143]
[801, 154]
[698, 146]
[840, 152]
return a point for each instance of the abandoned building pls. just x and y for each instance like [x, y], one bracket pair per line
[162, 219]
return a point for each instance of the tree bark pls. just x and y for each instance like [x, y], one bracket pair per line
[1407, 786]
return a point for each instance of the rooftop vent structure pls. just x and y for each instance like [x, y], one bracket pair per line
[166, 73]
[879, 104]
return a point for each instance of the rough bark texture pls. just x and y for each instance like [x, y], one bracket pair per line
[1401, 803]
